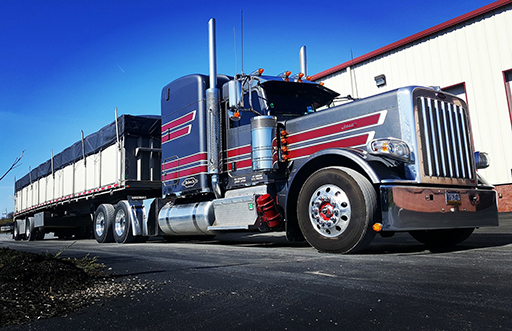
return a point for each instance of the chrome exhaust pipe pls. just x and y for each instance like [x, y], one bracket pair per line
[303, 61]
[213, 113]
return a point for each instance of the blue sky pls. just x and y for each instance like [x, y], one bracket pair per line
[65, 65]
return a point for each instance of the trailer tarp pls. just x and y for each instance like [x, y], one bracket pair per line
[145, 126]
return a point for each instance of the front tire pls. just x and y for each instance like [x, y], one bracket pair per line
[103, 218]
[336, 209]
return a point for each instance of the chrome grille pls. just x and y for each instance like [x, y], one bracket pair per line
[445, 140]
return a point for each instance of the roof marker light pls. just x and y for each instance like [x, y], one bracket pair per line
[285, 75]
[257, 72]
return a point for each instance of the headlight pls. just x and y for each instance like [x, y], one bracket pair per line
[394, 148]
[482, 160]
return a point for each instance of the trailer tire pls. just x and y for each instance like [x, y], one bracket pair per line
[442, 238]
[335, 210]
[30, 234]
[103, 219]
[40, 232]
[16, 232]
[123, 225]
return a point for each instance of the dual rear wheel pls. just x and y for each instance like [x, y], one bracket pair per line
[114, 224]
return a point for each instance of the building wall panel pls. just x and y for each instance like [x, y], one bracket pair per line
[474, 52]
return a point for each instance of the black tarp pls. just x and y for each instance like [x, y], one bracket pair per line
[140, 126]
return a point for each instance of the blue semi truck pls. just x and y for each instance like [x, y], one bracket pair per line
[252, 152]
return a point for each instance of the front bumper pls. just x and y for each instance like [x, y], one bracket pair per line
[408, 208]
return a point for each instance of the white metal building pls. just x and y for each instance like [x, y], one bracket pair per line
[471, 56]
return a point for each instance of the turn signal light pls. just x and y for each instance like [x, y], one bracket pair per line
[284, 146]
[377, 227]
[391, 147]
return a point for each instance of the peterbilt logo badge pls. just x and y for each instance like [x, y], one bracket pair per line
[189, 182]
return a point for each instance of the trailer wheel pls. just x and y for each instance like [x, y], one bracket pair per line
[103, 218]
[16, 232]
[30, 234]
[442, 238]
[335, 210]
[123, 225]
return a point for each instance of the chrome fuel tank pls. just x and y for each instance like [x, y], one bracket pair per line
[187, 220]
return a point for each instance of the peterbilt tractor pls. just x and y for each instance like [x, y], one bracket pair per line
[252, 152]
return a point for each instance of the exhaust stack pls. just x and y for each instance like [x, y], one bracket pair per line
[213, 115]
[303, 61]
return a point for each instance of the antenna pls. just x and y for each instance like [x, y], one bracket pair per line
[242, 33]
[234, 40]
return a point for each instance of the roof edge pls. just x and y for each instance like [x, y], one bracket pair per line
[425, 33]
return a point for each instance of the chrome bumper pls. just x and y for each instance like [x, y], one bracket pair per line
[406, 208]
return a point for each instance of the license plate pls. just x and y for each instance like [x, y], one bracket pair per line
[452, 198]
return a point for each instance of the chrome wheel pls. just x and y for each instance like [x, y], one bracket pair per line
[103, 218]
[330, 210]
[100, 224]
[120, 223]
[335, 210]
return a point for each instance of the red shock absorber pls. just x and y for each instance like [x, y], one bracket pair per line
[267, 210]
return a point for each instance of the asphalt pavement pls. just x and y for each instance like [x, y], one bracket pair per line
[262, 282]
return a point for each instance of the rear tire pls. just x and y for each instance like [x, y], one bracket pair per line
[103, 219]
[40, 233]
[16, 232]
[123, 225]
[30, 234]
[442, 238]
[336, 209]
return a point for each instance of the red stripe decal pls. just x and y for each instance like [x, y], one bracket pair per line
[185, 161]
[179, 121]
[335, 128]
[176, 134]
[347, 142]
[243, 164]
[185, 173]
[239, 151]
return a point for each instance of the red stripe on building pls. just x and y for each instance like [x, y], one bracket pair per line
[335, 128]
[184, 161]
[342, 143]
[179, 121]
[415, 37]
[176, 134]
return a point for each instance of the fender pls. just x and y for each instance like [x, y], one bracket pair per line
[348, 157]
[136, 216]
[352, 155]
